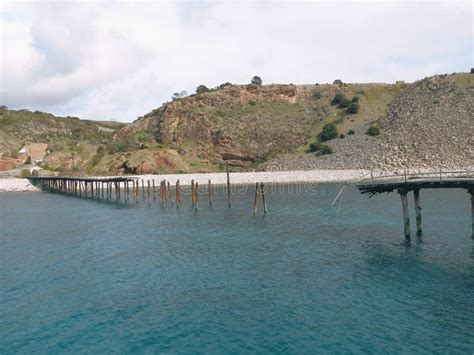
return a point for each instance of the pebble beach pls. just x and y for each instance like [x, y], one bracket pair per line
[319, 176]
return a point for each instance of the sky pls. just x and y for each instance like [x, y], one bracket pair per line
[117, 60]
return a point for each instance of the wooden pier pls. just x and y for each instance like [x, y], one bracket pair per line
[105, 188]
[118, 189]
[403, 184]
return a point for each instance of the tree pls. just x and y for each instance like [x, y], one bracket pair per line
[256, 80]
[201, 89]
[337, 82]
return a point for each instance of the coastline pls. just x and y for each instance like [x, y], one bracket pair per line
[241, 178]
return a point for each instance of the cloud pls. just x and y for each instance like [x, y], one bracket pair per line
[105, 60]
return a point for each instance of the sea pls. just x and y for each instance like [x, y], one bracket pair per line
[308, 277]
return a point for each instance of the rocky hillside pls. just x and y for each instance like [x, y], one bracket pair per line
[273, 127]
[72, 143]
[248, 126]
[431, 124]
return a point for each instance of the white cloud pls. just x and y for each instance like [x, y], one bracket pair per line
[105, 60]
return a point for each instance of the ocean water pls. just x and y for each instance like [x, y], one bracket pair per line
[95, 277]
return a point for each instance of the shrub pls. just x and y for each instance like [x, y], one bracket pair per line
[325, 149]
[337, 99]
[256, 80]
[344, 103]
[225, 85]
[340, 100]
[201, 89]
[317, 95]
[355, 99]
[322, 149]
[342, 136]
[353, 107]
[329, 132]
[351, 131]
[373, 131]
[337, 82]
[253, 103]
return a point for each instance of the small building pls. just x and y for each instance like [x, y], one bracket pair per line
[35, 152]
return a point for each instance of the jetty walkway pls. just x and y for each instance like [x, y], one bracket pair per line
[403, 184]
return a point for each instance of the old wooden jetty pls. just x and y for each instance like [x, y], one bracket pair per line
[405, 183]
[124, 189]
[104, 188]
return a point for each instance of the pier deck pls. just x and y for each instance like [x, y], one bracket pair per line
[415, 182]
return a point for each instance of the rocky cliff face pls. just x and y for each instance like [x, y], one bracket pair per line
[240, 124]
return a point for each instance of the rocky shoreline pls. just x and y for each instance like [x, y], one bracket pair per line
[243, 178]
[319, 176]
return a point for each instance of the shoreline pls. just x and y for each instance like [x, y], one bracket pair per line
[240, 178]
[245, 178]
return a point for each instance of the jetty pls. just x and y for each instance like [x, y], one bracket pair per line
[403, 184]
[128, 188]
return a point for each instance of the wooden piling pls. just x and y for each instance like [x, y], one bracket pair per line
[162, 199]
[416, 194]
[472, 212]
[178, 194]
[148, 190]
[228, 183]
[406, 217]
[255, 201]
[137, 191]
[192, 193]
[143, 189]
[154, 191]
[209, 192]
[196, 197]
[169, 192]
[264, 198]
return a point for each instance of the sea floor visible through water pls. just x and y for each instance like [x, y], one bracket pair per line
[87, 276]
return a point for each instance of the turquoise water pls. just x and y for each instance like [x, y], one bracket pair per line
[86, 276]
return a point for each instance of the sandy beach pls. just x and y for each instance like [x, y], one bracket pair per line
[320, 176]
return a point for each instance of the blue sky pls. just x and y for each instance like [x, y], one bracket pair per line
[119, 60]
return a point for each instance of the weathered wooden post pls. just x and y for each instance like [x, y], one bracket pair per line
[406, 217]
[255, 201]
[178, 197]
[264, 198]
[416, 194]
[137, 191]
[165, 191]
[192, 193]
[162, 199]
[143, 189]
[169, 192]
[209, 192]
[148, 191]
[228, 183]
[472, 212]
[154, 191]
[196, 197]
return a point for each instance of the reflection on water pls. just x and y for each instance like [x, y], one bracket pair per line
[94, 276]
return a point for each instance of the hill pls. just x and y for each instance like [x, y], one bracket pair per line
[72, 143]
[273, 127]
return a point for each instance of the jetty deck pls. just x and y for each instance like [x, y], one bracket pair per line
[403, 184]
